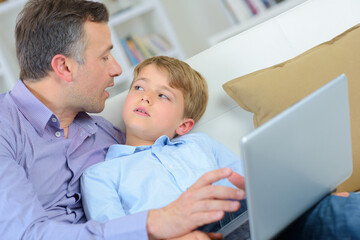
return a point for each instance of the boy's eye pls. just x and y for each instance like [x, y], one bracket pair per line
[163, 96]
[138, 88]
[106, 58]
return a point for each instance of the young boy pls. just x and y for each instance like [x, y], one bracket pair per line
[160, 160]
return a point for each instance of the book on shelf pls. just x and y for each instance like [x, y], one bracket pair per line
[238, 9]
[139, 48]
[140, 44]
[252, 5]
[128, 53]
[267, 3]
[134, 50]
[270, 3]
[160, 42]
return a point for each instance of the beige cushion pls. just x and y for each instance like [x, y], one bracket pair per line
[269, 91]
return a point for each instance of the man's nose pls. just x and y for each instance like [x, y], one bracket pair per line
[116, 69]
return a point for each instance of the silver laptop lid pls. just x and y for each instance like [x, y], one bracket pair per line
[296, 158]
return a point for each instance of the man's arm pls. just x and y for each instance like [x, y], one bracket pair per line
[23, 216]
[201, 204]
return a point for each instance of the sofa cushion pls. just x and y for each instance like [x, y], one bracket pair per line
[269, 91]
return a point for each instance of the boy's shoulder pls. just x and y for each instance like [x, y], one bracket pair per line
[196, 136]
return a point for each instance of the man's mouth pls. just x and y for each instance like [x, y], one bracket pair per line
[107, 89]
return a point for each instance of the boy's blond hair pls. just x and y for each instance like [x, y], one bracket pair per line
[181, 76]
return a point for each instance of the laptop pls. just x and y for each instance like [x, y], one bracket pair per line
[295, 159]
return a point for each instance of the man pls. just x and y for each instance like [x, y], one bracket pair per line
[47, 139]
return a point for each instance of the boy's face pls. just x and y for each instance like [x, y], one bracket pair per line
[152, 108]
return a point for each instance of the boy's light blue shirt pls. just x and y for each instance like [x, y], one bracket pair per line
[133, 179]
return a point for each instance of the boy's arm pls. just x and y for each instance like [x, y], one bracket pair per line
[225, 157]
[101, 200]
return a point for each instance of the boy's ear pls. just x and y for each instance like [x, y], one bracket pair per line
[61, 65]
[185, 126]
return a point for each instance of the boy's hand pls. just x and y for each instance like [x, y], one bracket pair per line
[237, 180]
[197, 235]
[201, 204]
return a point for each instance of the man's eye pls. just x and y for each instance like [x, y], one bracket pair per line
[106, 58]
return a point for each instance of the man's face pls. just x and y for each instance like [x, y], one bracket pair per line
[97, 73]
[152, 108]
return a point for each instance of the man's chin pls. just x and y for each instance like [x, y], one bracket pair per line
[96, 109]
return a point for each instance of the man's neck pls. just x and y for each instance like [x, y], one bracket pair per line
[50, 95]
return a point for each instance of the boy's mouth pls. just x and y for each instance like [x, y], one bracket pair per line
[141, 111]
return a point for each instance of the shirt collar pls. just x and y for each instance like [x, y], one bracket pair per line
[39, 115]
[119, 150]
[164, 140]
[86, 122]
[31, 107]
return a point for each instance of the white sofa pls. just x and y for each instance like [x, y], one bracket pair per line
[274, 41]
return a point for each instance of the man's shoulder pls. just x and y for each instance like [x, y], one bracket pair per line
[10, 121]
[9, 111]
[108, 127]
[102, 121]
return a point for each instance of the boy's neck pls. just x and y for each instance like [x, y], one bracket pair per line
[132, 140]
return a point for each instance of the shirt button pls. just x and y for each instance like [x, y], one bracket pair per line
[68, 210]
[57, 134]
[53, 120]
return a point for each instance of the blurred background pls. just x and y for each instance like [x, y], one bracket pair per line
[143, 28]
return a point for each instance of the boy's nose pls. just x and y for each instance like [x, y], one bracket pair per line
[146, 98]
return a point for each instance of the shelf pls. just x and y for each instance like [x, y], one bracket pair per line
[9, 69]
[142, 20]
[255, 20]
[131, 12]
[6, 78]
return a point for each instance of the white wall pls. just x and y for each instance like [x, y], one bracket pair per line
[194, 22]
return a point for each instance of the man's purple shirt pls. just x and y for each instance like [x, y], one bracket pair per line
[40, 172]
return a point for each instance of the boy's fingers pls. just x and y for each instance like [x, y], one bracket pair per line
[212, 192]
[237, 180]
[216, 205]
[211, 177]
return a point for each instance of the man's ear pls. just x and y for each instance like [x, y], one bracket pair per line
[185, 126]
[61, 65]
